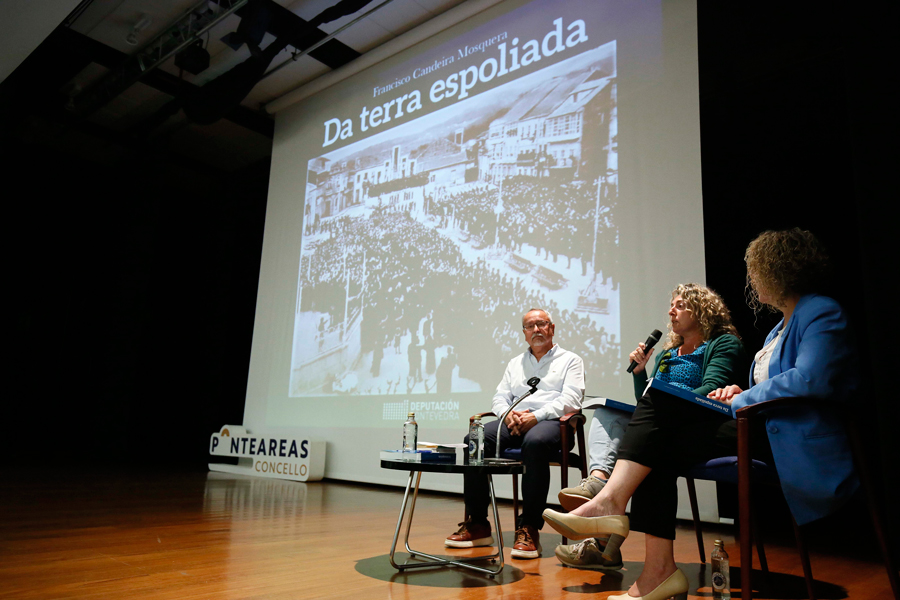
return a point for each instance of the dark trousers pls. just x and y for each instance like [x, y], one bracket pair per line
[670, 435]
[540, 445]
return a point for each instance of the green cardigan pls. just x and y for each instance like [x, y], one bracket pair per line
[724, 363]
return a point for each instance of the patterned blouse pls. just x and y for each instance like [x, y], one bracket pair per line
[682, 371]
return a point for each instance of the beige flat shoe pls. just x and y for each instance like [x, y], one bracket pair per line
[580, 528]
[676, 586]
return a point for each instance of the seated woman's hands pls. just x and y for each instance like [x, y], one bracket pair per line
[725, 394]
[640, 357]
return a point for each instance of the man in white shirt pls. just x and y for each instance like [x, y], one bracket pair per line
[533, 427]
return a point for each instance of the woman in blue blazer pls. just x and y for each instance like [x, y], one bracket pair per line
[810, 354]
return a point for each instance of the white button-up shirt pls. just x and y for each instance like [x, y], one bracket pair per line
[560, 391]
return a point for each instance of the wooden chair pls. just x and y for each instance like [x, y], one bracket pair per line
[568, 423]
[749, 471]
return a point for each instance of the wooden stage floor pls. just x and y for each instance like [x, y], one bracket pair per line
[196, 535]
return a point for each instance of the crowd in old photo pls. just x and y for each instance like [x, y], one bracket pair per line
[422, 300]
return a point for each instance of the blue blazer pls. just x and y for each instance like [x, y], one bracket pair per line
[815, 358]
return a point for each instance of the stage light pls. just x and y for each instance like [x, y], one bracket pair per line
[193, 59]
[143, 23]
[255, 20]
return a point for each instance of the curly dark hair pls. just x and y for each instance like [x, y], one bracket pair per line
[785, 263]
[708, 308]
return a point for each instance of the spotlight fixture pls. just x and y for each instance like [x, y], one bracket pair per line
[143, 23]
[194, 59]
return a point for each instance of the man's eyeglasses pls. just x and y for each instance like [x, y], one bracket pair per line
[538, 324]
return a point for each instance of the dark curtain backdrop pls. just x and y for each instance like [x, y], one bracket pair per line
[134, 298]
[795, 108]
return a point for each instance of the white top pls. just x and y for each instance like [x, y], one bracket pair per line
[762, 358]
[560, 391]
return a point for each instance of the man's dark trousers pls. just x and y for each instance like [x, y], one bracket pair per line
[540, 446]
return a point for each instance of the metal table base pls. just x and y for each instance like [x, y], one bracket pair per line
[429, 560]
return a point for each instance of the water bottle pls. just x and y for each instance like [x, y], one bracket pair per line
[721, 579]
[476, 442]
[410, 434]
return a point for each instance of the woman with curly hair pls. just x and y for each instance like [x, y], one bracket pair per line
[703, 352]
[809, 354]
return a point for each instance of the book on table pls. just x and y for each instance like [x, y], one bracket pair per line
[438, 447]
[418, 456]
[428, 452]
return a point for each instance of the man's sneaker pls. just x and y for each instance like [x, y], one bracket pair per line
[588, 555]
[573, 497]
[528, 542]
[470, 535]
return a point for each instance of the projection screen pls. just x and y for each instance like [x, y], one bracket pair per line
[539, 154]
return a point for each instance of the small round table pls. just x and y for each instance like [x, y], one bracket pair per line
[428, 560]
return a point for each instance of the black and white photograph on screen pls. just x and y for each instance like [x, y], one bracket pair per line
[439, 233]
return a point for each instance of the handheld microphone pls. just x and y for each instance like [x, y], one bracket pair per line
[532, 383]
[651, 341]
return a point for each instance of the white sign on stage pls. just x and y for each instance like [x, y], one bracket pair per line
[264, 455]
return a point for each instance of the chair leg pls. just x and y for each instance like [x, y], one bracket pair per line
[892, 571]
[760, 550]
[582, 453]
[564, 463]
[515, 483]
[804, 559]
[564, 454]
[695, 512]
[564, 479]
[743, 425]
[865, 481]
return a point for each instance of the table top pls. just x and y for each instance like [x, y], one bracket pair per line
[510, 468]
